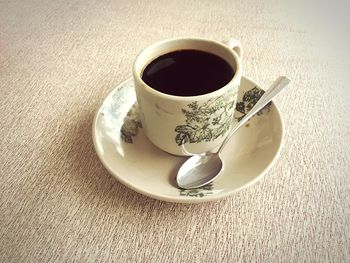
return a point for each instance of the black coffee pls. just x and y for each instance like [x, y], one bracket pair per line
[187, 73]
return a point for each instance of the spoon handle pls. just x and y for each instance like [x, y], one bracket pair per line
[275, 89]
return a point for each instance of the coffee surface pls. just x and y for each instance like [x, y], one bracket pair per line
[187, 73]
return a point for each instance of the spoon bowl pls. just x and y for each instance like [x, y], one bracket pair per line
[206, 165]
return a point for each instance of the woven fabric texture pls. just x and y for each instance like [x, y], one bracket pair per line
[59, 60]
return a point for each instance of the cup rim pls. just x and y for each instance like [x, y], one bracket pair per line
[238, 71]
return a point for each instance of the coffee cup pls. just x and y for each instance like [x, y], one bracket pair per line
[186, 89]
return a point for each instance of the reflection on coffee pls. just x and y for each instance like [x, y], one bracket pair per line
[187, 73]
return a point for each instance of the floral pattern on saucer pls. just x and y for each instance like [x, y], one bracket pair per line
[198, 192]
[131, 124]
[249, 99]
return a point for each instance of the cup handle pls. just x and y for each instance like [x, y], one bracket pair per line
[235, 45]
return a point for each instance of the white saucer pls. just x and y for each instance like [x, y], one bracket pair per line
[144, 168]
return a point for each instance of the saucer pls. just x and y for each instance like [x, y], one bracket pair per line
[131, 158]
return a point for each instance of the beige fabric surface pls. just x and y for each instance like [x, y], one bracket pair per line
[58, 61]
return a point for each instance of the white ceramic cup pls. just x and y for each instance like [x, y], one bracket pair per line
[168, 120]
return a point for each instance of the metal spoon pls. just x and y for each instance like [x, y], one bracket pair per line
[201, 169]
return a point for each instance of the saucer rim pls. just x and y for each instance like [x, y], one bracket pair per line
[186, 199]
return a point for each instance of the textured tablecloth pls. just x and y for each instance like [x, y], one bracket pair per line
[58, 61]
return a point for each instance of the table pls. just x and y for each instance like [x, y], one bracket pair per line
[59, 60]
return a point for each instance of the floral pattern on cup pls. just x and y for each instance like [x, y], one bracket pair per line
[132, 121]
[207, 121]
